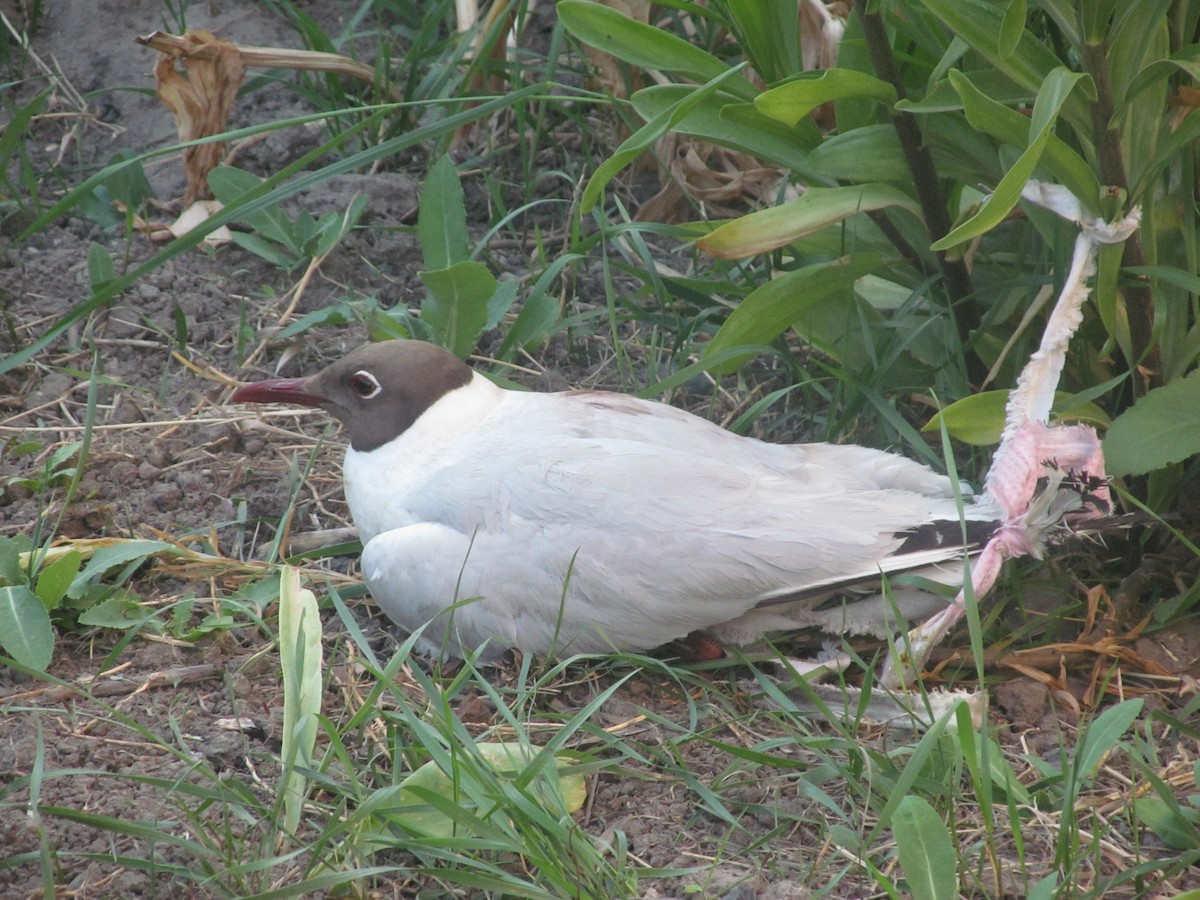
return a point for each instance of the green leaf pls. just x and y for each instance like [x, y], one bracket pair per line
[264, 249]
[540, 311]
[54, 579]
[554, 787]
[1168, 822]
[980, 24]
[300, 658]
[442, 219]
[1011, 28]
[791, 102]
[995, 119]
[100, 266]
[1163, 427]
[978, 419]
[25, 631]
[120, 611]
[925, 849]
[1053, 94]
[457, 306]
[776, 306]
[13, 557]
[818, 208]
[644, 46]
[229, 185]
[1186, 61]
[738, 126]
[116, 554]
[340, 224]
[1102, 735]
[865, 154]
[767, 33]
[643, 139]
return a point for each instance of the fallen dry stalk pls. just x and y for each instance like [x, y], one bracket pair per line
[113, 688]
[261, 57]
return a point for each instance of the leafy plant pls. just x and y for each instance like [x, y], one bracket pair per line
[74, 583]
[464, 299]
[869, 263]
[278, 239]
[1176, 824]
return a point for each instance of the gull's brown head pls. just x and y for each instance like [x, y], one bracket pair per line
[376, 391]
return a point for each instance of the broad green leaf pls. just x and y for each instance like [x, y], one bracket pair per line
[554, 787]
[340, 313]
[55, 578]
[980, 23]
[1095, 16]
[926, 853]
[643, 45]
[643, 139]
[728, 123]
[442, 219]
[25, 631]
[1168, 822]
[776, 306]
[791, 102]
[990, 117]
[978, 419]
[264, 249]
[120, 611]
[501, 302]
[100, 266]
[1102, 735]
[229, 185]
[1011, 28]
[300, 657]
[457, 306]
[1186, 60]
[116, 554]
[767, 33]
[1163, 427]
[818, 208]
[15, 554]
[866, 154]
[1053, 94]
[942, 96]
[1139, 40]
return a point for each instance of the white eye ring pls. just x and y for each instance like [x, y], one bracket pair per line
[365, 385]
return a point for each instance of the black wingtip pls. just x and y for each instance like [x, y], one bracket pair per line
[945, 533]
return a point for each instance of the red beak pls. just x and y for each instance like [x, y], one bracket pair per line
[277, 390]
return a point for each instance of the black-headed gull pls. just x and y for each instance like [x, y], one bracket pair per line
[587, 521]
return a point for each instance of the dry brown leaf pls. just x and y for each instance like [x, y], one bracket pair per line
[1185, 100]
[201, 100]
[724, 180]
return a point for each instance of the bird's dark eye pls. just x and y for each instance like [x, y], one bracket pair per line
[364, 384]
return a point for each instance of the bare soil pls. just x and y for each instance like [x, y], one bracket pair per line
[170, 459]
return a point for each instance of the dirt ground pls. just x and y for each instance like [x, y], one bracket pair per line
[169, 458]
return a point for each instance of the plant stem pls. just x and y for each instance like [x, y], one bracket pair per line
[925, 179]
